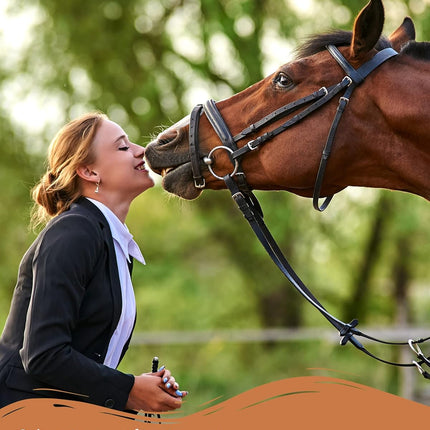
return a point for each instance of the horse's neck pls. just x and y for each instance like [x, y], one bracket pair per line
[397, 146]
[405, 102]
[408, 116]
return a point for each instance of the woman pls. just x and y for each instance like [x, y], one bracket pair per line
[73, 308]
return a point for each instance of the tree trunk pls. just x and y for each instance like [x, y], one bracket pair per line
[356, 306]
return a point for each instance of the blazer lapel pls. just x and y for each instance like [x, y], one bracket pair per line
[114, 283]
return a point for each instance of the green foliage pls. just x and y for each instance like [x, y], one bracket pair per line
[145, 63]
[16, 177]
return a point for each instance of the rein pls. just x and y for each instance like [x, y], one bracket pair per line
[248, 203]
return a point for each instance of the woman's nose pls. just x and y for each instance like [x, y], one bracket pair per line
[138, 151]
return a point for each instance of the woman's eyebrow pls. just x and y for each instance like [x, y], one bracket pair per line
[123, 136]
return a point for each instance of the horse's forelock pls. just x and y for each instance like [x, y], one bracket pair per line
[318, 43]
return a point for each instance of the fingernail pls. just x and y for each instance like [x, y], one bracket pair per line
[168, 385]
[165, 380]
[161, 368]
[179, 393]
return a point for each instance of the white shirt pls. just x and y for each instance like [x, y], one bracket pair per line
[125, 247]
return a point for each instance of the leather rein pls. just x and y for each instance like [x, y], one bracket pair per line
[248, 203]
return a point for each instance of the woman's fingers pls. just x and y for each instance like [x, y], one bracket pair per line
[169, 383]
[150, 394]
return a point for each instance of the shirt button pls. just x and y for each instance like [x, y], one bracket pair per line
[109, 403]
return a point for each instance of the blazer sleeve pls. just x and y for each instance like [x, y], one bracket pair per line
[62, 267]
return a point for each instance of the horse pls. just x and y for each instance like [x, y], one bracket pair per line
[380, 138]
[286, 133]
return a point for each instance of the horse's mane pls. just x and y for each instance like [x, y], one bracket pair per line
[418, 50]
[318, 43]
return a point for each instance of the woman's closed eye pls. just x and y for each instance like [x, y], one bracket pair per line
[123, 148]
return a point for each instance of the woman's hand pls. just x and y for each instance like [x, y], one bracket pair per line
[155, 392]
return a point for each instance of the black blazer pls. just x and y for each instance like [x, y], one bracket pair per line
[65, 307]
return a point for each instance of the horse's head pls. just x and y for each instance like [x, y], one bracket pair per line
[290, 160]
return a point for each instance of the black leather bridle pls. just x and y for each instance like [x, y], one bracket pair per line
[248, 203]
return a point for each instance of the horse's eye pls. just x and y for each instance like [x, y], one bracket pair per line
[283, 81]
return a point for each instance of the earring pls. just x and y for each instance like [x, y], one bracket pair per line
[97, 187]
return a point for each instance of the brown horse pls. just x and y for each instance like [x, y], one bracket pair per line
[383, 137]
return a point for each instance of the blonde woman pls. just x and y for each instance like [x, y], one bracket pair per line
[73, 309]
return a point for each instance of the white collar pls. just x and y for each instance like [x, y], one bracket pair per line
[120, 233]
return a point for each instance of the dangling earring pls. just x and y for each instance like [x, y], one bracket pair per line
[97, 187]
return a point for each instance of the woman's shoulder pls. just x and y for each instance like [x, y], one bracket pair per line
[82, 223]
[82, 211]
[77, 235]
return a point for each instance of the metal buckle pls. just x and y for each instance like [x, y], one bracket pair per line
[348, 79]
[237, 195]
[415, 348]
[421, 356]
[235, 163]
[419, 367]
[202, 183]
[249, 145]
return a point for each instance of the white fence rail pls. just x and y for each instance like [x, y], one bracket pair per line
[274, 335]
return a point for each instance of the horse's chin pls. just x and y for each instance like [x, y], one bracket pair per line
[164, 158]
[179, 182]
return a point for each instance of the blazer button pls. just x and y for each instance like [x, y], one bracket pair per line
[109, 403]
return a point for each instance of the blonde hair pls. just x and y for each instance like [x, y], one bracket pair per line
[71, 148]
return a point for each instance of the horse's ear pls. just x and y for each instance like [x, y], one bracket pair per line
[367, 29]
[403, 34]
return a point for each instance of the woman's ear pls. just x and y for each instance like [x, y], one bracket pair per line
[86, 173]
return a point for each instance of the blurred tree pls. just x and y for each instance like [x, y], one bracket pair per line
[16, 176]
[362, 278]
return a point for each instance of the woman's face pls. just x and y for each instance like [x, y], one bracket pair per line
[119, 164]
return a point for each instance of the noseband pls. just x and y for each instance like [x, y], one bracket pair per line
[247, 202]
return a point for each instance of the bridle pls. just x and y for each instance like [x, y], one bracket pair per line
[313, 102]
[248, 203]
